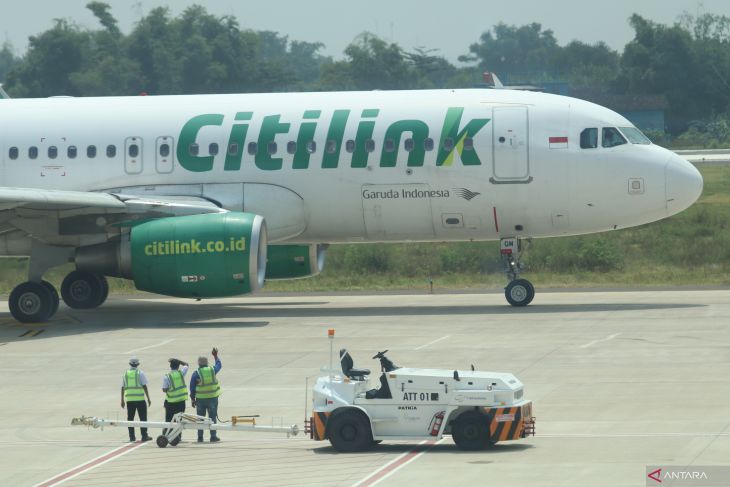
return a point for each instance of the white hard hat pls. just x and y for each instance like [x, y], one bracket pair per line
[134, 361]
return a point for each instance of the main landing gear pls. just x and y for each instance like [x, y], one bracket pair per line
[519, 292]
[36, 300]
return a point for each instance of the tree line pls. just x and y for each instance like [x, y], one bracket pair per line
[198, 52]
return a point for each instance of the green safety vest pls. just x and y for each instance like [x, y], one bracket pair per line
[177, 391]
[208, 386]
[133, 390]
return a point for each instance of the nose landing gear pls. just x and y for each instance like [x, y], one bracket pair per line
[519, 292]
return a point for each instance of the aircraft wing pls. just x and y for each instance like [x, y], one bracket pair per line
[75, 217]
[49, 199]
[91, 202]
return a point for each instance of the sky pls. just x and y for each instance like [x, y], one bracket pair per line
[449, 27]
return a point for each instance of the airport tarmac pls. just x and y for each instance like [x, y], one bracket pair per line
[619, 380]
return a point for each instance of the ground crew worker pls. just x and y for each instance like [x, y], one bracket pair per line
[134, 390]
[176, 392]
[204, 391]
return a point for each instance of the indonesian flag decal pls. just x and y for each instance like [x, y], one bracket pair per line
[558, 142]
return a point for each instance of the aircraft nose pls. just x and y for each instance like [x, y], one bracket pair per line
[683, 184]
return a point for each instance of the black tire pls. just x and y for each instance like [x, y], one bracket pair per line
[82, 290]
[519, 292]
[31, 302]
[54, 294]
[162, 441]
[349, 431]
[175, 441]
[470, 431]
[104, 289]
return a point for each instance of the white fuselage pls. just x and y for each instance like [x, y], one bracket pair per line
[525, 176]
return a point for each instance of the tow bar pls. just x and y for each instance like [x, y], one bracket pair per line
[183, 421]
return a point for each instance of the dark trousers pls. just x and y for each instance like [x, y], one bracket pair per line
[140, 407]
[207, 407]
[171, 409]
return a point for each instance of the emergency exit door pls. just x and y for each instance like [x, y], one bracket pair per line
[511, 145]
[133, 155]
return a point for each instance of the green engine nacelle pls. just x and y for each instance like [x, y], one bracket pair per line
[195, 256]
[294, 261]
[200, 256]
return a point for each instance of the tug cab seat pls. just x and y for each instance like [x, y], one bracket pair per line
[348, 369]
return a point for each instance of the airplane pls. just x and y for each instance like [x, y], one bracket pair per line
[203, 196]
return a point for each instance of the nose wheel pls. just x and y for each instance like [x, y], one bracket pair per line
[519, 292]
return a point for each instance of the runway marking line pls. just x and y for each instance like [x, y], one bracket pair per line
[396, 464]
[432, 342]
[90, 465]
[609, 337]
[151, 346]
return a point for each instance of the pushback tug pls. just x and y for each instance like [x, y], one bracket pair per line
[478, 409]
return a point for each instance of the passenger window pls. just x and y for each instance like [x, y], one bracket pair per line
[468, 143]
[589, 139]
[389, 145]
[350, 146]
[52, 152]
[133, 150]
[72, 152]
[370, 145]
[194, 149]
[33, 152]
[252, 148]
[271, 147]
[311, 147]
[330, 147]
[291, 147]
[408, 145]
[428, 143]
[213, 149]
[111, 151]
[13, 153]
[233, 149]
[611, 137]
[448, 144]
[165, 150]
[91, 151]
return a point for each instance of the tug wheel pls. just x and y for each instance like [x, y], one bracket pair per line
[162, 441]
[175, 441]
[349, 431]
[471, 431]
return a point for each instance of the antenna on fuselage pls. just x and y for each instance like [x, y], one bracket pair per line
[3, 95]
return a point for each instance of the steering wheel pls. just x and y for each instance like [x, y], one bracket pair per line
[380, 354]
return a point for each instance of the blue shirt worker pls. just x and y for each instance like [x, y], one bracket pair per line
[204, 391]
[176, 392]
[134, 390]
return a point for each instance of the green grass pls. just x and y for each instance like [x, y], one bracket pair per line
[692, 248]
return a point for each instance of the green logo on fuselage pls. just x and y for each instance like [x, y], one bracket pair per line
[452, 139]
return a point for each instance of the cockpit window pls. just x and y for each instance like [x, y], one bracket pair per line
[589, 139]
[635, 135]
[612, 137]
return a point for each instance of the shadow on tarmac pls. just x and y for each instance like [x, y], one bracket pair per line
[149, 314]
[444, 448]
